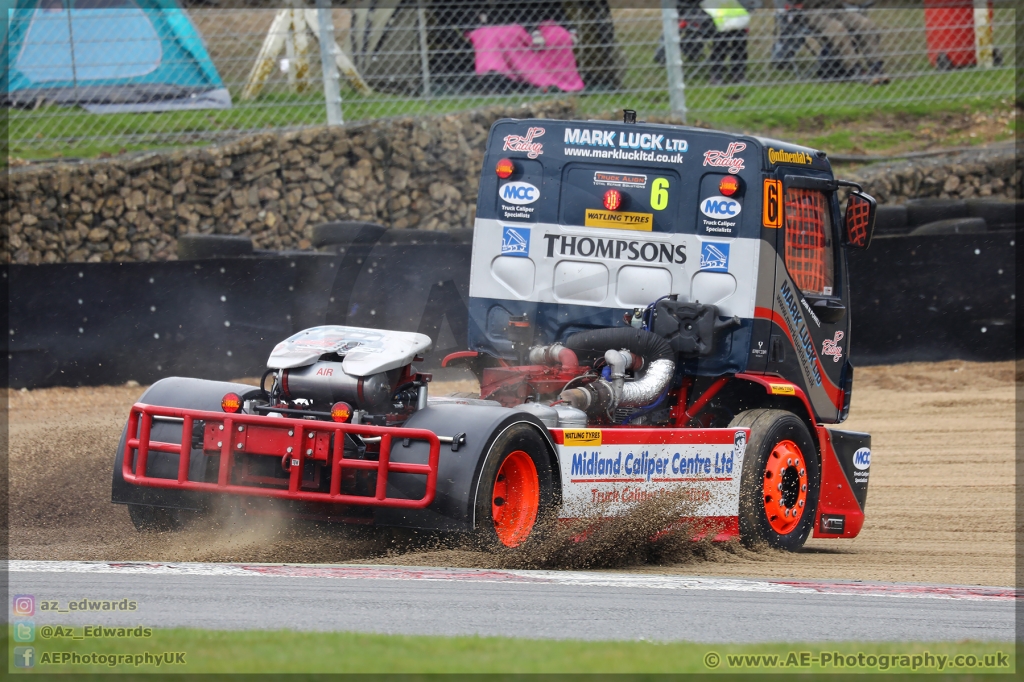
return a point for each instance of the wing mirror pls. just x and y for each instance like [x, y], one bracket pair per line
[859, 223]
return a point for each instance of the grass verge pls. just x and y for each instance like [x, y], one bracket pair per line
[800, 107]
[285, 651]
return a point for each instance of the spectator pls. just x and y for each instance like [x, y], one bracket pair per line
[852, 39]
[729, 44]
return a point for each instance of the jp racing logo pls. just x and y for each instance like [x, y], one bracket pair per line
[515, 241]
[726, 159]
[720, 207]
[518, 193]
[714, 257]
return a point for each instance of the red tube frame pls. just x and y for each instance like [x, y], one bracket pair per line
[142, 415]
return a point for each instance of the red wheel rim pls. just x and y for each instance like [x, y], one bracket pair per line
[785, 487]
[516, 499]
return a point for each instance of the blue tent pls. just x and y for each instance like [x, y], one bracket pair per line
[107, 56]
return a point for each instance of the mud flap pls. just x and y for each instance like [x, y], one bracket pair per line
[845, 469]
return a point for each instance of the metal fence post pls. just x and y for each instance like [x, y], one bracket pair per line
[421, 21]
[673, 58]
[332, 92]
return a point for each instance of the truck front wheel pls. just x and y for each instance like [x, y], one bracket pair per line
[779, 484]
[515, 494]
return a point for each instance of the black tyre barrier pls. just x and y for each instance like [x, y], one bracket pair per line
[891, 219]
[996, 213]
[346, 232]
[923, 211]
[951, 226]
[204, 246]
[915, 298]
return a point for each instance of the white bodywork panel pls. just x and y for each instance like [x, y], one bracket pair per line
[542, 271]
[365, 351]
[605, 472]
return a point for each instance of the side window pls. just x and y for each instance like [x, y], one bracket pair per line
[809, 240]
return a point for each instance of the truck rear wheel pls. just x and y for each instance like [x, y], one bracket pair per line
[145, 517]
[515, 492]
[779, 484]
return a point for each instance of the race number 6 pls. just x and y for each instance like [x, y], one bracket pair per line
[659, 194]
[772, 203]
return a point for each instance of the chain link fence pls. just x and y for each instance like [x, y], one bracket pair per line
[86, 77]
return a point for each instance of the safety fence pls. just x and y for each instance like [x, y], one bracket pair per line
[87, 76]
[915, 298]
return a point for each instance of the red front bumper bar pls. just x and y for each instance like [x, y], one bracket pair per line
[292, 440]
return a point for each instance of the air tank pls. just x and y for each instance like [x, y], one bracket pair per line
[327, 383]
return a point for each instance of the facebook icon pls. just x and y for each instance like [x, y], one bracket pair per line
[24, 656]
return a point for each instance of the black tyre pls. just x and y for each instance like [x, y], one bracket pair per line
[345, 232]
[924, 211]
[202, 246]
[998, 214]
[951, 226]
[516, 490]
[147, 518]
[891, 219]
[780, 480]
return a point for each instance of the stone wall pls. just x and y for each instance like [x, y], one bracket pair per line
[988, 172]
[405, 173]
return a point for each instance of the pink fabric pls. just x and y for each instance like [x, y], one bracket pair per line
[509, 50]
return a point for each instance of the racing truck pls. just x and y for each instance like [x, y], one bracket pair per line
[654, 311]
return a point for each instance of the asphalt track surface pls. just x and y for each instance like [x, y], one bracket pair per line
[531, 604]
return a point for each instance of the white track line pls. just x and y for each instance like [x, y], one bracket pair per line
[576, 578]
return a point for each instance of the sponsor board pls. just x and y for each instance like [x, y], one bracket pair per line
[516, 198]
[720, 207]
[832, 524]
[614, 249]
[726, 159]
[714, 257]
[620, 180]
[515, 241]
[861, 466]
[785, 300]
[518, 193]
[622, 139]
[609, 478]
[578, 437]
[619, 220]
[777, 156]
[719, 216]
[831, 347]
[525, 143]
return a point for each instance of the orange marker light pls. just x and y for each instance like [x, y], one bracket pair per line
[231, 403]
[341, 412]
[505, 168]
[612, 199]
[729, 186]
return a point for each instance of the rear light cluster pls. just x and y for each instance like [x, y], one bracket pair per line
[612, 199]
[341, 412]
[231, 403]
[505, 169]
[729, 186]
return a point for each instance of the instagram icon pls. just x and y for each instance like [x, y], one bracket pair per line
[24, 605]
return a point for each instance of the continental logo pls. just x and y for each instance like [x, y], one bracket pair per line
[782, 389]
[776, 156]
[577, 437]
